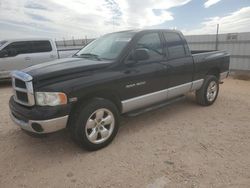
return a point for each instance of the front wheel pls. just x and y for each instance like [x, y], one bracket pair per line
[96, 124]
[208, 93]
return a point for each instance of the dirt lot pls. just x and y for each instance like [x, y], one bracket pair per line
[182, 145]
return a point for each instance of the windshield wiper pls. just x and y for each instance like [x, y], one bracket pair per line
[90, 55]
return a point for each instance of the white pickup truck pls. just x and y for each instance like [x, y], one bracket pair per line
[17, 54]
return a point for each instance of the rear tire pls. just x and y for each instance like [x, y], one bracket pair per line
[208, 93]
[95, 124]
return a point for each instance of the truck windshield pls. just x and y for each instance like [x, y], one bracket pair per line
[106, 47]
[2, 42]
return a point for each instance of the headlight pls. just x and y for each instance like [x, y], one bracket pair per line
[50, 98]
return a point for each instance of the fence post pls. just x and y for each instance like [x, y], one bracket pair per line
[217, 37]
[73, 41]
[64, 42]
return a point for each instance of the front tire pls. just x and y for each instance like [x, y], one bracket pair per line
[208, 93]
[95, 124]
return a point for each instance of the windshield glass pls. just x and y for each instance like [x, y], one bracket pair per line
[106, 47]
[2, 42]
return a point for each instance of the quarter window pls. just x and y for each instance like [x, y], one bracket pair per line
[152, 43]
[175, 45]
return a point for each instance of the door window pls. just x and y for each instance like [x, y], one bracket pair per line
[16, 48]
[152, 43]
[175, 45]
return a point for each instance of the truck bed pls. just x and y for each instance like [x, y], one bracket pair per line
[207, 59]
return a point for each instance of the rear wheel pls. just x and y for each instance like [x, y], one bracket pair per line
[208, 93]
[96, 124]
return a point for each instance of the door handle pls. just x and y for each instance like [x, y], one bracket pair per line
[27, 58]
[52, 56]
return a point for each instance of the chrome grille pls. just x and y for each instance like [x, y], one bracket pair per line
[20, 83]
[23, 88]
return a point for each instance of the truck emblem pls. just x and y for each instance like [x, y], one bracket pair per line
[135, 84]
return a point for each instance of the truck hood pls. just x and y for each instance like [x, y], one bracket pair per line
[64, 67]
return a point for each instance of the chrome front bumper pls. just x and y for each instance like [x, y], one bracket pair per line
[42, 126]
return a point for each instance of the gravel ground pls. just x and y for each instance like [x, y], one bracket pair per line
[182, 145]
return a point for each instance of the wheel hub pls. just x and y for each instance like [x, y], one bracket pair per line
[100, 126]
[212, 91]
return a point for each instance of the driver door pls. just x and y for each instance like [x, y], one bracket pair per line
[144, 81]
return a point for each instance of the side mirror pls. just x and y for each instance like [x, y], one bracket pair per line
[140, 54]
[4, 53]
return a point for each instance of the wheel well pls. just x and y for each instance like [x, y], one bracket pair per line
[111, 96]
[215, 72]
[100, 94]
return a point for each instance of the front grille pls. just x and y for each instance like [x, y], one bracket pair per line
[23, 88]
[20, 83]
[22, 96]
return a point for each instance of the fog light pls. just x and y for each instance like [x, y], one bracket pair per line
[37, 127]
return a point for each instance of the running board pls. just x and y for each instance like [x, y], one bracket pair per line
[154, 107]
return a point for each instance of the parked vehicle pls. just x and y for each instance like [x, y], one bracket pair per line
[122, 73]
[18, 54]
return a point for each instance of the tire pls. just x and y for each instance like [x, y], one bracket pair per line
[208, 93]
[95, 124]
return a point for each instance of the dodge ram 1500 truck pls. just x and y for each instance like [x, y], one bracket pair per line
[126, 72]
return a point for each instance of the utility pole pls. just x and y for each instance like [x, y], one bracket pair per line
[217, 37]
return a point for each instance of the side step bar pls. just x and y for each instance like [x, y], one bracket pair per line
[154, 107]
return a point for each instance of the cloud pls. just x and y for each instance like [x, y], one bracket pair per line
[34, 5]
[67, 18]
[38, 17]
[209, 3]
[238, 21]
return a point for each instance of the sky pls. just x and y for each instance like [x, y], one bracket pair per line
[60, 19]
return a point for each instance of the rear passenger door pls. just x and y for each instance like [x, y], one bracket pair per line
[179, 63]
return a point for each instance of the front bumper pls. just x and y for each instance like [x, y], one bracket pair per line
[41, 126]
[39, 119]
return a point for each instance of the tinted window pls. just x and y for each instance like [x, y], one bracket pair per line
[41, 46]
[25, 47]
[175, 45]
[152, 43]
[19, 47]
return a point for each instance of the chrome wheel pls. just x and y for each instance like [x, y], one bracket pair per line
[212, 91]
[100, 126]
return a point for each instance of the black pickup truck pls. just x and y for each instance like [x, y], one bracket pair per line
[122, 73]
